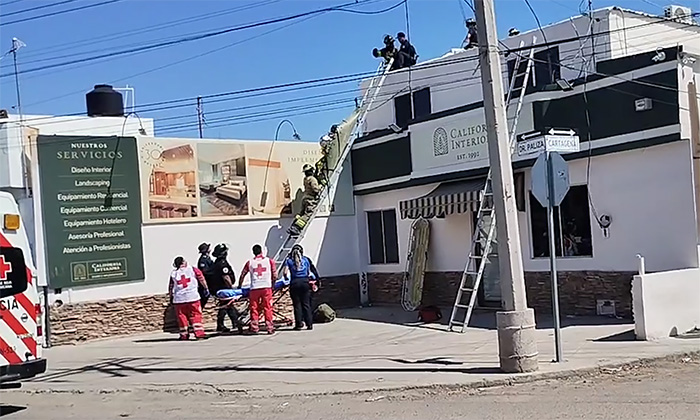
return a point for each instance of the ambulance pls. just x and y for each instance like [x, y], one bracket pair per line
[21, 325]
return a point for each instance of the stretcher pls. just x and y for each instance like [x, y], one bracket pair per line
[228, 297]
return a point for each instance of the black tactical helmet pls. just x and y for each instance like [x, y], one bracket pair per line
[388, 40]
[220, 251]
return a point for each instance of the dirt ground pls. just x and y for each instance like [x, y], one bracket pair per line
[660, 390]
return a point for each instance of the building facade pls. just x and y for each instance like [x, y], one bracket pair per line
[635, 167]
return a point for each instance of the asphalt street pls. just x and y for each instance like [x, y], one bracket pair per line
[661, 390]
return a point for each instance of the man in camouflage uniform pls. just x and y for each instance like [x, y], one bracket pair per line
[309, 201]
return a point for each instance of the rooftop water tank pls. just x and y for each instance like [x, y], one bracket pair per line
[103, 101]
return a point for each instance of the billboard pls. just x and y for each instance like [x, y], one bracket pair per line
[187, 179]
[91, 207]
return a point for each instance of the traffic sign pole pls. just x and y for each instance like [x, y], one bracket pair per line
[553, 256]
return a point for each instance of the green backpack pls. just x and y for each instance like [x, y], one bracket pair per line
[324, 314]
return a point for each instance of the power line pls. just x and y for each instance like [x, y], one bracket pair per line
[537, 20]
[207, 35]
[61, 12]
[31, 9]
[144, 29]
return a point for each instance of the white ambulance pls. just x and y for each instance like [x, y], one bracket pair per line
[20, 308]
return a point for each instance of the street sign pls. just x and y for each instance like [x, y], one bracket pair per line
[560, 180]
[560, 141]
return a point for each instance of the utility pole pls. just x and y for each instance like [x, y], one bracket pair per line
[200, 116]
[516, 323]
[16, 45]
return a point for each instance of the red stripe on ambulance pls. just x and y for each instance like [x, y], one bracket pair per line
[8, 353]
[8, 318]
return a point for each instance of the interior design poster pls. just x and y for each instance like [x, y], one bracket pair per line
[169, 179]
[223, 186]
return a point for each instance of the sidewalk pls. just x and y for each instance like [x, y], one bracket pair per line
[354, 353]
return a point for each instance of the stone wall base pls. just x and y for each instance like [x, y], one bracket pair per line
[75, 323]
[579, 291]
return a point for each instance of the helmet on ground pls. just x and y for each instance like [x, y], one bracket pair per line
[220, 251]
[307, 167]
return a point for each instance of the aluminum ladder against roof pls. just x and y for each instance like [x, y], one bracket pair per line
[367, 100]
[485, 226]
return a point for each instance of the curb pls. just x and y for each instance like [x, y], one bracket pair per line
[506, 380]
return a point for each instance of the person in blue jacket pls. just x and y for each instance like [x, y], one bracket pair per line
[300, 270]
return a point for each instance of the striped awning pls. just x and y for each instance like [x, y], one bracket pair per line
[447, 198]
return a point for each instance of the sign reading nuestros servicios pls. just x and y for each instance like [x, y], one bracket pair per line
[91, 208]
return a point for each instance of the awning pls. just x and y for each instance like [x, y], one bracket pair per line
[446, 198]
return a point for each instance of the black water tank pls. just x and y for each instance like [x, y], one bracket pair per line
[103, 101]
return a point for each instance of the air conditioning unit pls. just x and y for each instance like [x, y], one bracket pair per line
[679, 13]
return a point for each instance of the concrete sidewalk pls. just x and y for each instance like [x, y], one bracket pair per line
[356, 352]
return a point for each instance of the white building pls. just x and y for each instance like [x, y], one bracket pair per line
[636, 166]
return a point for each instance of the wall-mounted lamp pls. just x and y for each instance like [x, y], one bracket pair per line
[395, 128]
[564, 85]
[604, 221]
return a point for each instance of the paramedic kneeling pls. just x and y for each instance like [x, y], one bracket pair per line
[184, 294]
[299, 269]
[263, 275]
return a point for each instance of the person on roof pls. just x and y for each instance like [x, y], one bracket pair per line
[472, 38]
[184, 281]
[388, 52]
[406, 56]
[309, 201]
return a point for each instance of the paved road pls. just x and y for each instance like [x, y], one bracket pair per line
[663, 390]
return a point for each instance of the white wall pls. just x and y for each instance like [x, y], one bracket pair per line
[327, 243]
[648, 192]
[666, 303]
[642, 36]
[449, 237]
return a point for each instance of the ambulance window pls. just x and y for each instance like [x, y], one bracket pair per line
[13, 272]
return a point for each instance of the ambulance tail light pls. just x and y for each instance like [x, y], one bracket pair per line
[11, 222]
[39, 326]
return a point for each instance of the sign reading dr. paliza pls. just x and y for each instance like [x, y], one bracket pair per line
[457, 140]
[92, 210]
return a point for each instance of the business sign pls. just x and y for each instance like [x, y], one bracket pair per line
[195, 180]
[91, 208]
[459, 140]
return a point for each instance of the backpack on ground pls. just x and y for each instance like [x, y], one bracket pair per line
[429, 314]
[324, 313]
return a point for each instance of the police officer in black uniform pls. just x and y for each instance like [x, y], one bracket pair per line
[223, 278]
[205, 265]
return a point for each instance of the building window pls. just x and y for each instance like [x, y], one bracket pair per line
[421, 103]
[547, 69]
[572, 217]
[402, 110]
[383, 237]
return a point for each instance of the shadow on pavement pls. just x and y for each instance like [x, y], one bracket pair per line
[622, 336]
[6, 410]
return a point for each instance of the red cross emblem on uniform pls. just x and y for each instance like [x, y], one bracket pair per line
[184, 281]
[259, 270]
[5, 268]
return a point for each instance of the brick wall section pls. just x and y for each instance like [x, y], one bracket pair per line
[85, 321]
[578, 290]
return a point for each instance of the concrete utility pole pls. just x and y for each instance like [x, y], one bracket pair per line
[516, 324]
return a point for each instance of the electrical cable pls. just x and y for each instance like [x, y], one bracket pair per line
[61, 12]
[207, 35]
[31, 9]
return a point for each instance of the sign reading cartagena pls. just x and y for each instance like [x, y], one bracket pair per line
[91, 207]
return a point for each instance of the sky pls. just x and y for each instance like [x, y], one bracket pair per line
[323, 45]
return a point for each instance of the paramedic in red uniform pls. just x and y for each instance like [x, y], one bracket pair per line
[263, 275]
[184, 294]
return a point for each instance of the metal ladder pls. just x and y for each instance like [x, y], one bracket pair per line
[367, 100]
[485, 226]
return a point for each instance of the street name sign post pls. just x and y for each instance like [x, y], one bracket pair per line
[550, 183]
